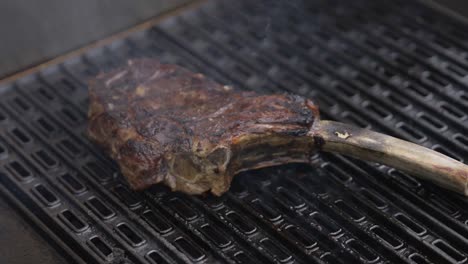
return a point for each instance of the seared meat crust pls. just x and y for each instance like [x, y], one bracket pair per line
[163, 123]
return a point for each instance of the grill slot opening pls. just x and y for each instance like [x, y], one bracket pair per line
[374, 199]
[45, 195]
[304, 45]
[98, 172]
[345, 28]
[338, 173]
[21, 136]
[214, 202]
[325, 101]
[23, 106]
[404, 62]
[277, 252]
[442, 43]
[183, 209]
[444, 205]
[453, 111]
[312, 70]
[423, 52]
[189, 249]
[256, 35]
[461, 139]
[219, 238]
[264, 64]
[235, 45]
[126, 196]
[324, 36]
[372, 44]
[46, 126]
[387, 72]
[100, 247]
[3, 150]
[410, 224]
[355, 119]
[73, 221]
[301, 237]
[265, 210]
[432, 121]
[244, 73]
[449, 251]
[329, 258]
[347, 90]
[240, 223]
[73, 184]
[68, 85]
[214, 52]
[457, 70]
[404, 179]
[363, 251]
[415, 134]
[45, 94]
[46, 160]
[101, 209]
[418, 259]
[461, 35]
[157, 222]
[70, 148]
[377, 110]
[347, 209]
[326, 223]
[130, 235]
[387, 237]
[334, 63]
[20, 171]
[290, 197]
[399, 101]
[241, 258]
[419, 90]
[291, 81]
[70, 115]
[365, 81]
[285, 54]
[464, 97]
[437, 80]
[156, 258]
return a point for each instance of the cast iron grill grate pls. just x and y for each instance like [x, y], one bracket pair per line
[395, 67]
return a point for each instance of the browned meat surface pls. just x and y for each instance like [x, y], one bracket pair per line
[163, 123]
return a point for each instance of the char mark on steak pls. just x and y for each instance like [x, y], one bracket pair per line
[163, 123]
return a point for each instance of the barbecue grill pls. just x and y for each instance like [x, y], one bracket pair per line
[397, 67]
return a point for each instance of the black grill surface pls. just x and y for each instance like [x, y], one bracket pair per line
[392, 66]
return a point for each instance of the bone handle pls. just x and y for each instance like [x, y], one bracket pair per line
[405, 156]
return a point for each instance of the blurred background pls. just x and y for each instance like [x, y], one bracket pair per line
[34, 31]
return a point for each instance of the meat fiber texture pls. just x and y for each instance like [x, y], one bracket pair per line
[165, 124]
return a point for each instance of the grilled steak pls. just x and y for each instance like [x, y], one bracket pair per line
[163, 123]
